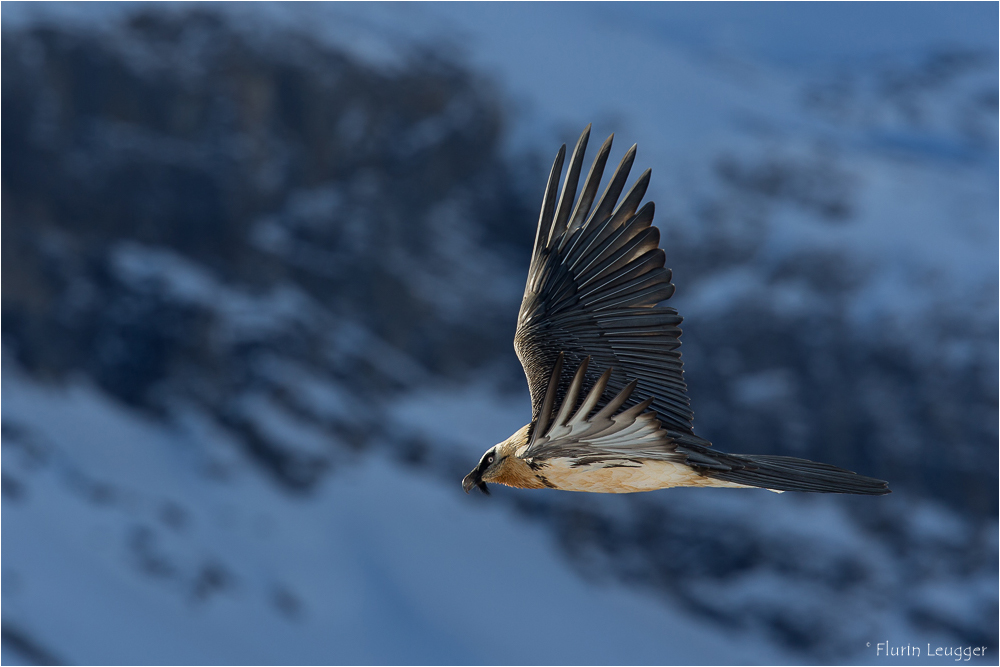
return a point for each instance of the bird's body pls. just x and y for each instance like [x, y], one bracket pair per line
[607, 476]
[620, 420]
[625, 476]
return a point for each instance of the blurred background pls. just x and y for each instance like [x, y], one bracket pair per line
[261, 266]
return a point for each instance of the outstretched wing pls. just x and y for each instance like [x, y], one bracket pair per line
[593, 285]
[614, 432]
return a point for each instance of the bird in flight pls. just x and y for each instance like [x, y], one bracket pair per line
[609, 407]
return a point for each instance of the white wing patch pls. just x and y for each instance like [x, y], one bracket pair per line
[629, 435]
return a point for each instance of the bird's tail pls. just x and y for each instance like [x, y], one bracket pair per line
[777, 473]
[785, 473]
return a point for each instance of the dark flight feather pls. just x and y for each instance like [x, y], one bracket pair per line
[593, 287]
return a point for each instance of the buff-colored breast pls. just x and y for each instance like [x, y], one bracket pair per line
[624, 476]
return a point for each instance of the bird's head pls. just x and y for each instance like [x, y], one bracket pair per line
[499, 464]
[484, 472]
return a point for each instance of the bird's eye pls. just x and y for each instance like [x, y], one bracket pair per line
[489, 460]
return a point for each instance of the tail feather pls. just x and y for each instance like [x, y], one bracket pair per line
[785, 473]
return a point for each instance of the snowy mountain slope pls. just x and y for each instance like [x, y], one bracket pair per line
[120, 526]
[113, 521]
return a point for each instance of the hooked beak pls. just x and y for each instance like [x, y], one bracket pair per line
[474, 479]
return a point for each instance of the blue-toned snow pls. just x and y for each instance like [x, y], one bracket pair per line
[378, 566]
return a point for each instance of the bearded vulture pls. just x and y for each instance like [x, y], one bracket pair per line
[609, 406]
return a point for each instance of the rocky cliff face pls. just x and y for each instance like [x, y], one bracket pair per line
[183, 200]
